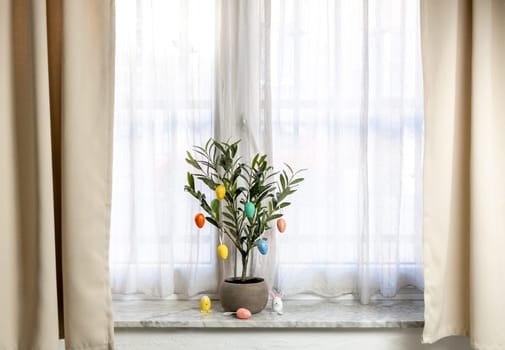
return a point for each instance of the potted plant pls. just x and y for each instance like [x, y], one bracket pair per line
[248, 197]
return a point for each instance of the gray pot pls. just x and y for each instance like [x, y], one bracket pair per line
[251, 294]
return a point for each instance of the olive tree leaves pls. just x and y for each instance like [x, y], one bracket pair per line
[218, 163]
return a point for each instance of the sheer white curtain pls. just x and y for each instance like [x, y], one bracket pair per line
[243, 108]
[164, 104]
[347, 105]
[332, 86]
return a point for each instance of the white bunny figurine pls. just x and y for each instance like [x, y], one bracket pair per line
[276, 302]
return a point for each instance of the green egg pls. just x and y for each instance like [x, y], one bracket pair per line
[249, 210]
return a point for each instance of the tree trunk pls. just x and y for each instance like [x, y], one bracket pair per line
[245, 259]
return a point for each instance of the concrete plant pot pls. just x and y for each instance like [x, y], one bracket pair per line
[251, 294]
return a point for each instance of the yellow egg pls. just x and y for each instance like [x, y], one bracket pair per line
[220, 192]
[222, 251]
[205, 305]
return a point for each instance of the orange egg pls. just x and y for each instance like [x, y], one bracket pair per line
[281, 225]
[199, 220]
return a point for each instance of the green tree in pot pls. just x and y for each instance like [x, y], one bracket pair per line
[248, 198]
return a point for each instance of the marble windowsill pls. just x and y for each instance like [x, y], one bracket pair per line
[297, 314]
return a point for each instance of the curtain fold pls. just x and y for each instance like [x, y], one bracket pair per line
[243, 101]
[463, 46]
[163, 106]
[347, 104]
[56, 99]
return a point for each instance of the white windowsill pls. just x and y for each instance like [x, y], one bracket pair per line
[297, 314]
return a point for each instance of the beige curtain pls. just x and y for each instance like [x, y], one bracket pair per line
[463, 46]
[56, 108]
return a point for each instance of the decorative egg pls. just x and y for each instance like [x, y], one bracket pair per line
[249, 210]
[222, 251]
[262, 246]
[220, 191]
[199, 220]
[205, 305]
[281, 225]
[243, 313]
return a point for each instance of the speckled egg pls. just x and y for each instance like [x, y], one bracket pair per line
[262, 246]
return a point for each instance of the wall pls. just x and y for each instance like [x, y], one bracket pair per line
[246, 339]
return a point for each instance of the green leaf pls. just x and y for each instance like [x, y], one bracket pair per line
[255, 159]
[191, 181]
[208, 143]
[211, 184]
[219, 146]
[296, 181]
[202, 153]
[192, 161]
[283, 182]
[212, 221]
[215, 208]
[229, 223]
[228, 216]
[239, 191]
[275, 216]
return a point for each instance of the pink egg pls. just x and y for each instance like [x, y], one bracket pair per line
[243, 313]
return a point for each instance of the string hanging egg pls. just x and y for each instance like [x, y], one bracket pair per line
[222, 251]
[281, 225]
[262, 246]
[220, 192]
[249, 210]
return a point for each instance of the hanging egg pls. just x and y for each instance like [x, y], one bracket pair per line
[249, 210]
[205, 305]
[262, 246]
[243, 313]
[222, 251]
[199, 220]
[281, 225]
[220, 191]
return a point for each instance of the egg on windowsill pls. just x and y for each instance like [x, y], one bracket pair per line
[243, 314]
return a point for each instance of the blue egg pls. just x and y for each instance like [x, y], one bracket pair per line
[249, 210]
[263, 246]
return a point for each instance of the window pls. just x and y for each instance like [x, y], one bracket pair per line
[164, 104]
[346, 103]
